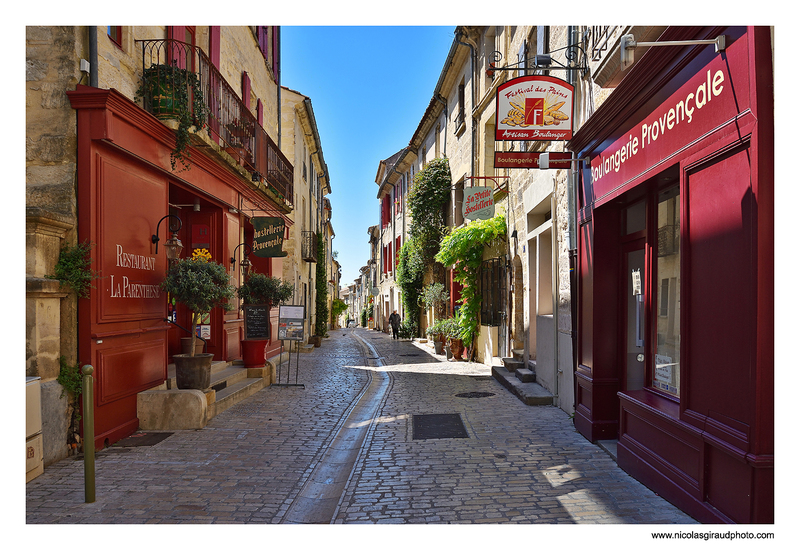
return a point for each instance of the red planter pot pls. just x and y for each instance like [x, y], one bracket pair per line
[254, 353]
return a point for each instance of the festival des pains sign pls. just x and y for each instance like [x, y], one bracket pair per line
[478, 203]
[534, 108]
[268, 237]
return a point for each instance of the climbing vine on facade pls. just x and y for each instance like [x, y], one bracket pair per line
[462, 250]
[410, 273]
[321, 320]
[426, 203]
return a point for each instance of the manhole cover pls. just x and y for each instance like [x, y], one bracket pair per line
[475, 394]
[439, 426]
[143, 439]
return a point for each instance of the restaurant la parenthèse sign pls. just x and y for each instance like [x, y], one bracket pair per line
[534, 108]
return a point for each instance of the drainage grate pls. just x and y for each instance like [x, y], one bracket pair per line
[143, 439]
[246, 409]
[475, 394]
[439, 426]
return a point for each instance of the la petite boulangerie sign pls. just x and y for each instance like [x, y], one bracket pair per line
[268, 237]
[534, 108]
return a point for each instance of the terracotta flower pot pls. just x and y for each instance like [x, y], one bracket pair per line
[457, 347]
[193, 373]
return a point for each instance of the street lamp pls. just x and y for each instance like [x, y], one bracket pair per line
[245, 263]
[173, 246]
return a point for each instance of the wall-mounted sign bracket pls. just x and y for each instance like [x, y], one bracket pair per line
[576, 61]
[544, 160]
[497, 186]
[628, 43]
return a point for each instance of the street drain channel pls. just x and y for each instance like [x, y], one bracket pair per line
[475, 394]
[439, 426]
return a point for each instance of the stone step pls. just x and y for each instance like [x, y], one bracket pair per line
[518, 354]
[236, 392]
[529, 393]
[525, 375]
[512, 364]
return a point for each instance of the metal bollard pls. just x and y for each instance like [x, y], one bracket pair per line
[88, 432]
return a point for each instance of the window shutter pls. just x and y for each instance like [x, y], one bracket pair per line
[246, 89]
[213, 45]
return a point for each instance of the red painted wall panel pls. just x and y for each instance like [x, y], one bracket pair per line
[720, 294]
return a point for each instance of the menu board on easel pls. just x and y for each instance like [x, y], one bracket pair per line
[256, 322]
[291, 322]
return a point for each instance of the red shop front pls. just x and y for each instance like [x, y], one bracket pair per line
[675, 274]
[125, 188]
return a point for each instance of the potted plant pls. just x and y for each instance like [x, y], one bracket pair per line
[453, 333]
[436, 333]
[172, 92]
[200, 285]
[435, 296]
[259, 291]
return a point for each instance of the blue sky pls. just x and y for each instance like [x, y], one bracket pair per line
[369, 87]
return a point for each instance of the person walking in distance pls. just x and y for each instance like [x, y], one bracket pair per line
[394, 320]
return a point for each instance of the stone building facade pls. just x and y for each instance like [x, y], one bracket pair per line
[99, 171]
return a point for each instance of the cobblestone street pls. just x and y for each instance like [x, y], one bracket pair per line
[515, 463]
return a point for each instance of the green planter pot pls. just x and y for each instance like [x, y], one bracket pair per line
[193, 373]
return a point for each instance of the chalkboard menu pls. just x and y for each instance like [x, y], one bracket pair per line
[256, 322]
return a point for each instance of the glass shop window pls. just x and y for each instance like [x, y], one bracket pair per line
[666, 364]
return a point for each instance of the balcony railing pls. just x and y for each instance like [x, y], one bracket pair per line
[229, 122]
[309, 246]
[600, 37]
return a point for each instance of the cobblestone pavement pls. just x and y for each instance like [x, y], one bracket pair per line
[519, 464]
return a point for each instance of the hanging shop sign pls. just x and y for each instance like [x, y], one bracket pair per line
[534, 108]
[478, 203]
[516, 159]
[268, 237]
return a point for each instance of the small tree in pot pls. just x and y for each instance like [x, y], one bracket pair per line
[200, 285]
[261, 290]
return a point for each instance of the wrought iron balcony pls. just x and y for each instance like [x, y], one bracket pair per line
[309, 246]
[229, 122]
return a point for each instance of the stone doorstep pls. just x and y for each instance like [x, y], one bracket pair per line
[525, 375]
[529, 393]
[512, 364]
[168, 408]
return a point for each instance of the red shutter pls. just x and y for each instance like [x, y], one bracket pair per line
[178, 56]
[213, 45]
[276, 54]
[260, 112]
[246, 89]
